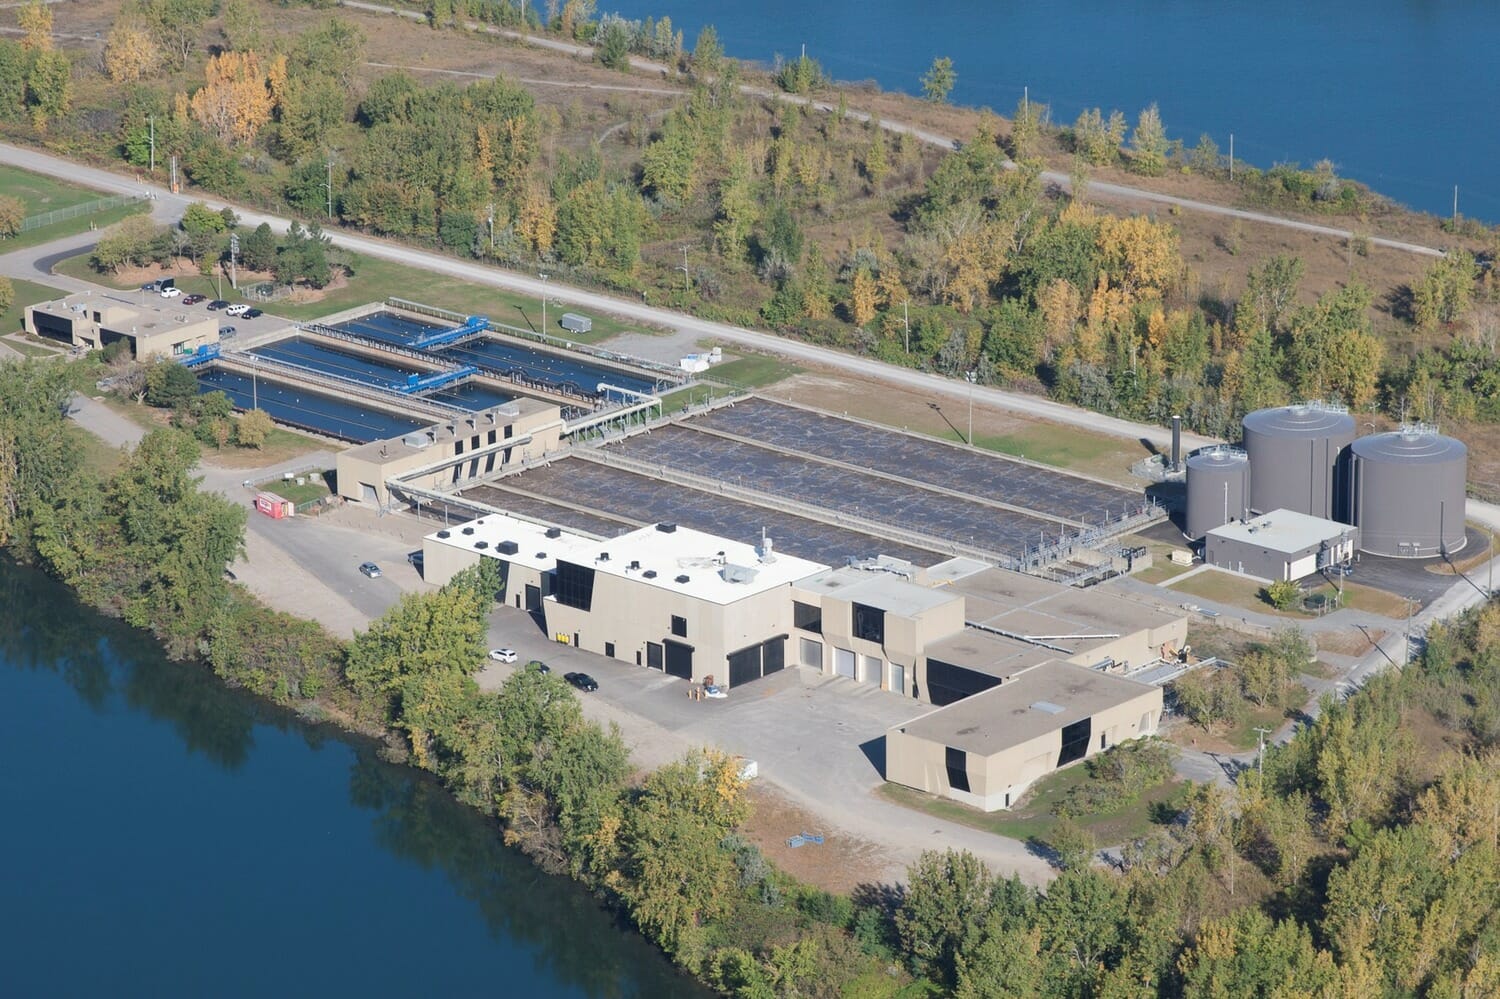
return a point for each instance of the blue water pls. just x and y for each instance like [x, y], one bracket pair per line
[164, 836]
[1400, 95]
[339, 363]
[494, 354]
[299, 407]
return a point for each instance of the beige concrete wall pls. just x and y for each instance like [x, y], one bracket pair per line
[1136, 648]
[628, 613]
[922, 763]
[441, 562]
[906, 636]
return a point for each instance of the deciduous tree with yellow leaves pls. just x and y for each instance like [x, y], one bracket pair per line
[235, 100]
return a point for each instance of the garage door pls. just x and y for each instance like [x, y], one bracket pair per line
[679, 659]
[844, 663]
[367, 494]
[756, 661]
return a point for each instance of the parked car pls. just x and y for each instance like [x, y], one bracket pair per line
[582, 681]
[151, 286]
[238, 309]
[503, 655]
[217, 304]
[171, 292]
[227, 331]
[253, 313]
[370, 569]
[193, 299]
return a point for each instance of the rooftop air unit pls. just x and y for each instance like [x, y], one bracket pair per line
[649, 574]
[683, 578]
[604, 556]
[443, 534]
[468, 530]
[635, 564]
[554, 532]
[667, 528]
[481, 544]
[507, 548]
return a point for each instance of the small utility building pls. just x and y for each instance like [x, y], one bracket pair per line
[986, 750]
[153, 327]
[1280, 545]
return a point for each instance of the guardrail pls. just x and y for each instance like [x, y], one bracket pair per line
[73, 211]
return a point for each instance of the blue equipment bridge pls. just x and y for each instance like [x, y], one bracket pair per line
[438, 379]
[205, 353]
[472, 326]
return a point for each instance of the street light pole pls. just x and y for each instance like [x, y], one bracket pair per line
[544, 302]
[1260, 760]
[687, 281]
[970, 377]
[906, 321]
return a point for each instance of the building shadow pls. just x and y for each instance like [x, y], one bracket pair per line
[874, 751]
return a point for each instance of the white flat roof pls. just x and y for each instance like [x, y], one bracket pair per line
[878, 588]
[1283, 531]
[716, 569]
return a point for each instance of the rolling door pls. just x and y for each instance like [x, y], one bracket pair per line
[679, 659]
[756, 661]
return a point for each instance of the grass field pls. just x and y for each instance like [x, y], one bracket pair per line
[27, 293]
[753, 371]
[1033, 818]
[1238, 591]
[68, 227]
[43, 194]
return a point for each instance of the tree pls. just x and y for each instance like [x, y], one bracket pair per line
[178, 25]
[49, 88]
[12, 214]
[1444, 293]
[258, 250]
[169, 385]
[1148, 143]
[131, 53]
[253, 429]
[676, 875]
[35, 19]
[1284, 594]
[946, 905]
[1271, 290]
[7, 294]
[199, 218]
[234, 101]
[1098, 139]
[938, 81]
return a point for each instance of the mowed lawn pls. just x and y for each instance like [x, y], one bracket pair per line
[27, 293]
[43, 194]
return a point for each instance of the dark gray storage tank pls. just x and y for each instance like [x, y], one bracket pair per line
[1294, 457]
[1407, 491]
[1218, 487]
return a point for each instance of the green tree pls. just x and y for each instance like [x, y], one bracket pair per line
[253, 428]
[1271, 290]
[676, 874]
[946, 905]
[1249, 955]
[1284, 594]
[178, 25]
[258, 250]
[938, 81]
[7, 294]
[1444, 293]
[1148, 144]
[1082, 917]
[49, 87]
[36, 457]
[12, 214]
[199, 218]
[170, 385]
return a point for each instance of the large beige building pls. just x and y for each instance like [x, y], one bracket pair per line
[457, 450]
[986, 750]
[153, 326]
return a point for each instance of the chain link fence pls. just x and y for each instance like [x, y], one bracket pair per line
[74, 211]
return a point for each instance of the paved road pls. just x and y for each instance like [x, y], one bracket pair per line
[922, 381]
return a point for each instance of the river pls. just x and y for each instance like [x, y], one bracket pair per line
[163, 835]
[1400, 95]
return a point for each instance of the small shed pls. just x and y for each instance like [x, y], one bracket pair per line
[1281, 545]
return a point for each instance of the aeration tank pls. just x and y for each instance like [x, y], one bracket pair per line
[1407, 492]
[1218, 487]
[1295, 453]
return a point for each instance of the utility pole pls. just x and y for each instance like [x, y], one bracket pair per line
[1260, 758]
[152, 119]
[1231, 157]
[1455, 204]
[234, 252]
[254, 384]
[328, 186]
[971, 377]
[687, 285]
[174, 173]
[906, 320]
[1406, 658]
[1025, 101]
[544, 302]
[492, 225]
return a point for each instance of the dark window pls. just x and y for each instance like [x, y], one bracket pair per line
[808, 617]
[947, 683]
[958, 768]
[509, 431]
[869, 624]
[679, 626]
[1075, 741]
[573, 585]
[609, 649]
[458, 447]
[653, 655]
[491, 437]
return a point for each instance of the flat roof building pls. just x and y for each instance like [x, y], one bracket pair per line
[154, 326]
[986, 750]
[1280, 545]
[457, 450]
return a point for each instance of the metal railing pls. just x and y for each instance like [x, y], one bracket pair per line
[73, 211]
[401, 401]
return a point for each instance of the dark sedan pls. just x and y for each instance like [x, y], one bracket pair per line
[582, 681]
[216, 305]
[253, 313]
[194, 299]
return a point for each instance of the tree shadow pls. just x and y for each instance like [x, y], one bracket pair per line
[1401, 303]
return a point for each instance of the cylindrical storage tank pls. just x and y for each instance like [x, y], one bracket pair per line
[1218, 487]
[1294, 456]
[1407, 492]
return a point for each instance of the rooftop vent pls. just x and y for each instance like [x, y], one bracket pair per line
[507, 548]
[635, 564]
[649, 574]
[468, 530]
[1048, 707]
[541, 554]
[554, 532]
[481, 544]
[738, 573]
[418, 441]
[443, 534]
[683, 578]
[667, 528]
[604, 556]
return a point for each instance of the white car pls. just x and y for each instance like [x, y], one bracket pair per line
[171, 292]
[237, 310]
[503, 655]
